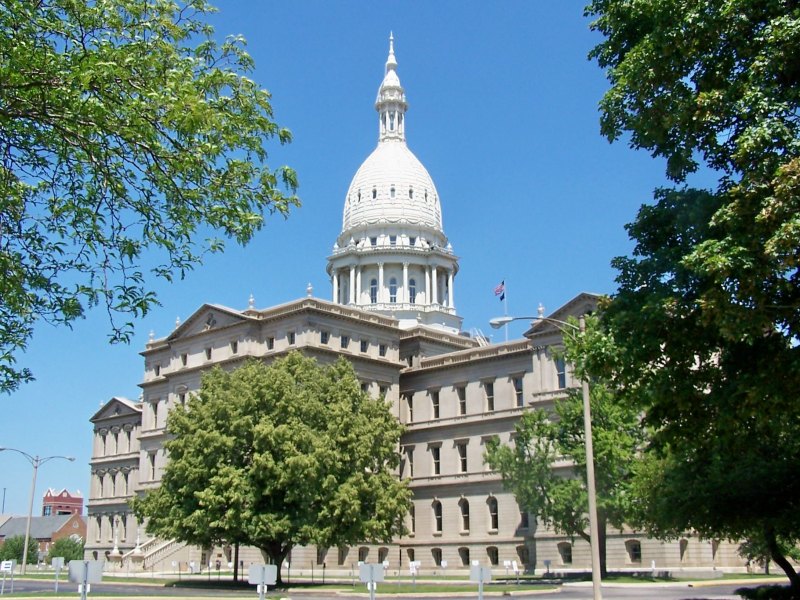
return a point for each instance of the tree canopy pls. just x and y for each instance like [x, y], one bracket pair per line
[545, 467]
[707, 314]
[278, 456]
[13, 548]
[132, 144]
[68, 548]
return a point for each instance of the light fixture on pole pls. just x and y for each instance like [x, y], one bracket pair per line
[35, 462]
[497, 323]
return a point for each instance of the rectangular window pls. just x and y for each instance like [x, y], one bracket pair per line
[520, 399]
[208, 353]
[393, 240]
[561, 373]
[270, 343]
[344, 341]
[410, 407]
[383, 390]
[462, 457]
[234, 347]
[290, 337]
[524, 523]
[157, 370]
[488, 390]
[436, 452]
[184, 359]
[461, 391]
[382, 349]
[410, 461]
[182, 399]
[323, 337]
[364, 387]
[364, 346]
[435, 404]
[373, 241]
[412, 241]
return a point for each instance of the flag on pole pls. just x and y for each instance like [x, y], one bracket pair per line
[500, 290]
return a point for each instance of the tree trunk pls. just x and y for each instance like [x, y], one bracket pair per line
[274, 553]
[601, 539]
[780, 560]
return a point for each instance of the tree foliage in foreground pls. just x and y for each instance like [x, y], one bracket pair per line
[129, 138]
[707, 313]
[279, 456]
[68, 548]
[13, 547]
[557, 495]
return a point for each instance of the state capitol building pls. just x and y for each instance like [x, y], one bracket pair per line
[392, 313]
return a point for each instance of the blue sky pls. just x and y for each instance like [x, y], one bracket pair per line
[502, 112]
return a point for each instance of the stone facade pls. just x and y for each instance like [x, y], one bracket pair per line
[392, 314]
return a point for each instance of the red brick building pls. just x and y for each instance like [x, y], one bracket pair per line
[61, 503]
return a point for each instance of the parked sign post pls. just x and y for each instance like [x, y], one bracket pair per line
[371, 574]
[7, 566]
[481, 575]
[85, 573]
[262, 576]
[57, 564]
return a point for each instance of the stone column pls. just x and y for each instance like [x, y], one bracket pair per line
[427, 285]
[352, 284]
[405, 299]
[380, 283]
[451, 303]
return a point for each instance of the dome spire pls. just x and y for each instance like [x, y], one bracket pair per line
[391, 103]
[391, 62]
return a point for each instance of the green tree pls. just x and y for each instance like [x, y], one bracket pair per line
[278, 456]
[557, 495]
[12, 549]
[707, 313]
[132, 144]
[69, 548]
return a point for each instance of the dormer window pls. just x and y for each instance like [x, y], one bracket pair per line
[412, 241]
[393, 240]
[373, 241]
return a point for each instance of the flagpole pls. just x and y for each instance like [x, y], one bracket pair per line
[505, 305]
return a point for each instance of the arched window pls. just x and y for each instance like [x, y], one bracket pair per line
[634, 550]
[391, 192]
[561, 372]
[436, 553]
[493, 520]
[393, 290]
[411, 192]
[565, 551]
[412, 290]
[373, 291]
[437, 516]
[463, 504]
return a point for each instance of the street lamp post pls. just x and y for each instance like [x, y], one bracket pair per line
[35, 462]
[594, 541]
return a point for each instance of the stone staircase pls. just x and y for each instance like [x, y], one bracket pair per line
[152, 552]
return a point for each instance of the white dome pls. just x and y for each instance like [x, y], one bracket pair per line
[392, 186]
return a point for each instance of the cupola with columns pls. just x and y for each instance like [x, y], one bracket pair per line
[392, 255]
